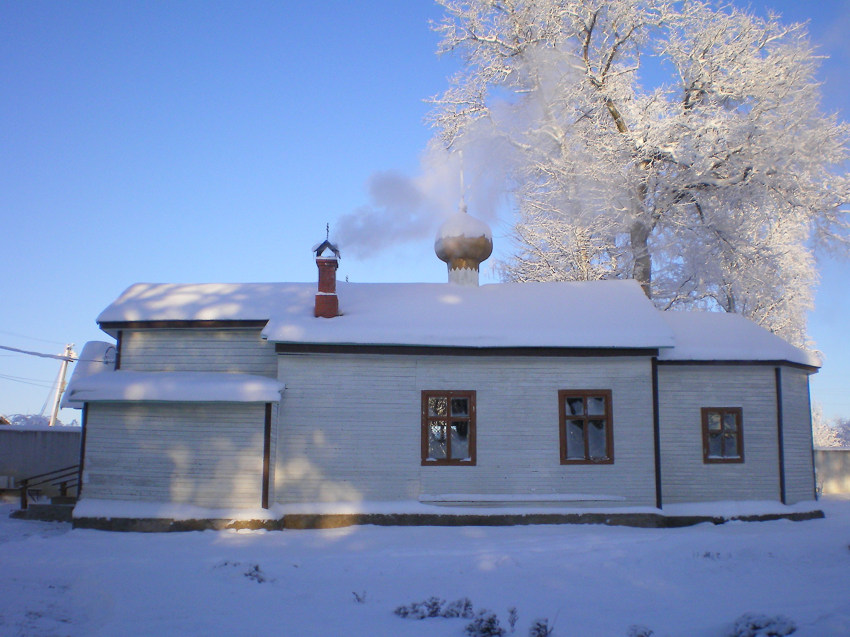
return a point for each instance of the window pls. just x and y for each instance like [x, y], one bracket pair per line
[722, 434]
[586, 436]
[448, 427]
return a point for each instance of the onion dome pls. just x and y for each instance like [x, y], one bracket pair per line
[463, 242]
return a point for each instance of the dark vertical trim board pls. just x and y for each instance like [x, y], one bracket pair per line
[656, 433]
[780, 437]
[267, 446]
[118, 349]
[812, 440]
[84, 428]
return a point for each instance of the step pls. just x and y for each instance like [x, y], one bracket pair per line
[46, 512]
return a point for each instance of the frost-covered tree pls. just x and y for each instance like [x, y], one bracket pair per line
[829, 433]
[677, 143]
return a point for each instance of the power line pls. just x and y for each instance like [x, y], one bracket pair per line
[70, 359]
[39, 354]
[37, 380]
[32, 338]
[37, 383]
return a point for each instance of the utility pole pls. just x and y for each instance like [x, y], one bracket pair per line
[68, 356]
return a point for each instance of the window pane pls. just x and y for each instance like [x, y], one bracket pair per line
[575, 439]
[596, 405]
[437, 406]
[730, 445]
[596, 440]
[460, 406]
[730, 421]
[714, 421]
[714, 442]
[460, 441]
[437, 440]
[575, 406]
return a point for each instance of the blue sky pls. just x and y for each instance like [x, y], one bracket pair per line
[212, 141]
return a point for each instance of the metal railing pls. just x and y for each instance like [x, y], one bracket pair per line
[65, 479]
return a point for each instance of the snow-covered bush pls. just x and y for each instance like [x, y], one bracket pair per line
[416, 610]
[752, 625]
[255, 573]
[513, 616]
[459, 608]
[436, 607]
[540, 628]
[485, 624]
[433, 606]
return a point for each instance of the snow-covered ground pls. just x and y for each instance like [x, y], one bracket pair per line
[588, 580]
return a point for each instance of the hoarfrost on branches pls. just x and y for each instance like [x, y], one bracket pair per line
[714, 188]
[826, 434]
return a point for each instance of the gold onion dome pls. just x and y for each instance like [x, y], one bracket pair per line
[463, 242]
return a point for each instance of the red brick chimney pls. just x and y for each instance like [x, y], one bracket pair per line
[327, 302]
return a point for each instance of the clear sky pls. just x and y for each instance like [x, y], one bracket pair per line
[212, 141]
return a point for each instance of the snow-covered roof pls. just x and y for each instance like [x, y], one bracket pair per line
[605, 314]
[599, 314]
[602, 314]
[174, 387]
[206, 301]
[717, 336]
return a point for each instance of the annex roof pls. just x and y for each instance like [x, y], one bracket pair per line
[97, 357]
[718, 336]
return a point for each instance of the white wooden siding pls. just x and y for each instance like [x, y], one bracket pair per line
[198, 350]
[205, 454]
[683, 391]
[350, 427]
[797, 432]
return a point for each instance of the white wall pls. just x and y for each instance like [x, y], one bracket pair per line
[198, 350]
[350, 427]
[797, 434]
[206, 454]
[685, 389]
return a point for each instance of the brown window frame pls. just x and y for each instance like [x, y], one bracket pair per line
[470, 419]
[608, 417]
[739, 435]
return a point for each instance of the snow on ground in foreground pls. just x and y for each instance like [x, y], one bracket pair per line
[588, 580]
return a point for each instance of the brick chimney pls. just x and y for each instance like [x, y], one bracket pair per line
[327, 302]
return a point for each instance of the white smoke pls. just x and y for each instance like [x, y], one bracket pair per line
[404, 209]
[492, 152]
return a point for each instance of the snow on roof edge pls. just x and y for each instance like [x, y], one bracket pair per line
[175, 387]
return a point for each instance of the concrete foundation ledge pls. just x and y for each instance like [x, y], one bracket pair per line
[166, 525]
[304, 521]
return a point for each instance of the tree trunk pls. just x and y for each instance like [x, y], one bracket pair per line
[642, 270]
